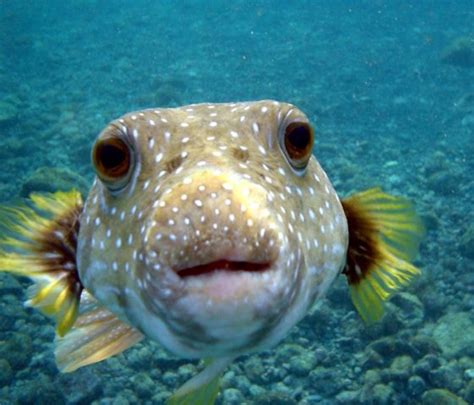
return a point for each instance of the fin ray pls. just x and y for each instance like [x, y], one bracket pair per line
[96, 335]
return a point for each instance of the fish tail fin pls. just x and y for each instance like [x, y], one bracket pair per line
[203, 388]
[39, 241]
[384, 236]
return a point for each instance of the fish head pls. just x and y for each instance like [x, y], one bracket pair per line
[205, 226]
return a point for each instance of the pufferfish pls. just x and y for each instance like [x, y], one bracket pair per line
[210, 228]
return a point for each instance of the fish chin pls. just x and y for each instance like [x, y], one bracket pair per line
[224, 306]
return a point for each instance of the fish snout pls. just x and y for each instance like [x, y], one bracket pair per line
[209, 221]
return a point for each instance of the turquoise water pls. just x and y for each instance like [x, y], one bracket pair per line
[389, 87]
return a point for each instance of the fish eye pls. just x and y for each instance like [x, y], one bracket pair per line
[112, 159]
[298, 144]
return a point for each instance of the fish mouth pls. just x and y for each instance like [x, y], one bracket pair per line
[223, 265]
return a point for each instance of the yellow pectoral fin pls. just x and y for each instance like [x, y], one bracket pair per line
[96, 335]
[384, 234]
[38, 240]
[203, 388]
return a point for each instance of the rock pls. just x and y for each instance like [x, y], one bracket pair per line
[9, 111]
[10, 312]
[430, 220]
[161, 397]
[82, 387]
[469, 392]
[348, 397]
[454, 334]
[162, 359]
[16, 348]
[287, 351]
[371, 359]
[6, 373]
[459, 52]
[411, 312]
[324, 381]
[256, 390]
[311, 399]
[416, 386]
[120, 400]
[170, 379]
[282, 388]
[274, 398]
[144, 385]
[337, 298]
[140, 358]
[372, 377]
[424, 366]
[448, 376]
[378, 394]
[466, 244]
[423, 345]
[10, 285]
[390, 347]
[51, 179]
[436, 163]
[390, 324]
[440, 396]
[301, 365]
[254, 370]
[129, 396]
[382, 394]
[444, 182]
[40, 390]
[467, 363]
[228, 379]
[233, 396]
[186, 372]
[434, 304]
[242, 383]
[401, 367]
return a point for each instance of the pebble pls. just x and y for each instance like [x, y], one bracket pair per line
[416, 386]
[233, 396]
[441, 396]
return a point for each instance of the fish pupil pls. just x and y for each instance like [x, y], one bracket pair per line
[299, 137]
[112, 156]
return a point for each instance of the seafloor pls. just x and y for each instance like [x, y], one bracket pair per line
[390, 88]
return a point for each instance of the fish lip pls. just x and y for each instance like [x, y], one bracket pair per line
[223, 265]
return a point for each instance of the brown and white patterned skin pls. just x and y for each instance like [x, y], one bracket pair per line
[211, 182]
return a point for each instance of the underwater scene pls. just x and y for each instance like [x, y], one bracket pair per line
[183, 268]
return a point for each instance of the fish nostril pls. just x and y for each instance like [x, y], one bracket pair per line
[240, 154]
[174, 163]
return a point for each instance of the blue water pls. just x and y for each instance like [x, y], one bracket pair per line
[389, 108]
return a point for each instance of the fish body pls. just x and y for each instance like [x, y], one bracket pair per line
[212, 184]
[210, 228]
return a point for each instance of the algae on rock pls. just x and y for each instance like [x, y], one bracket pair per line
[459, 52]
[454, 334]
